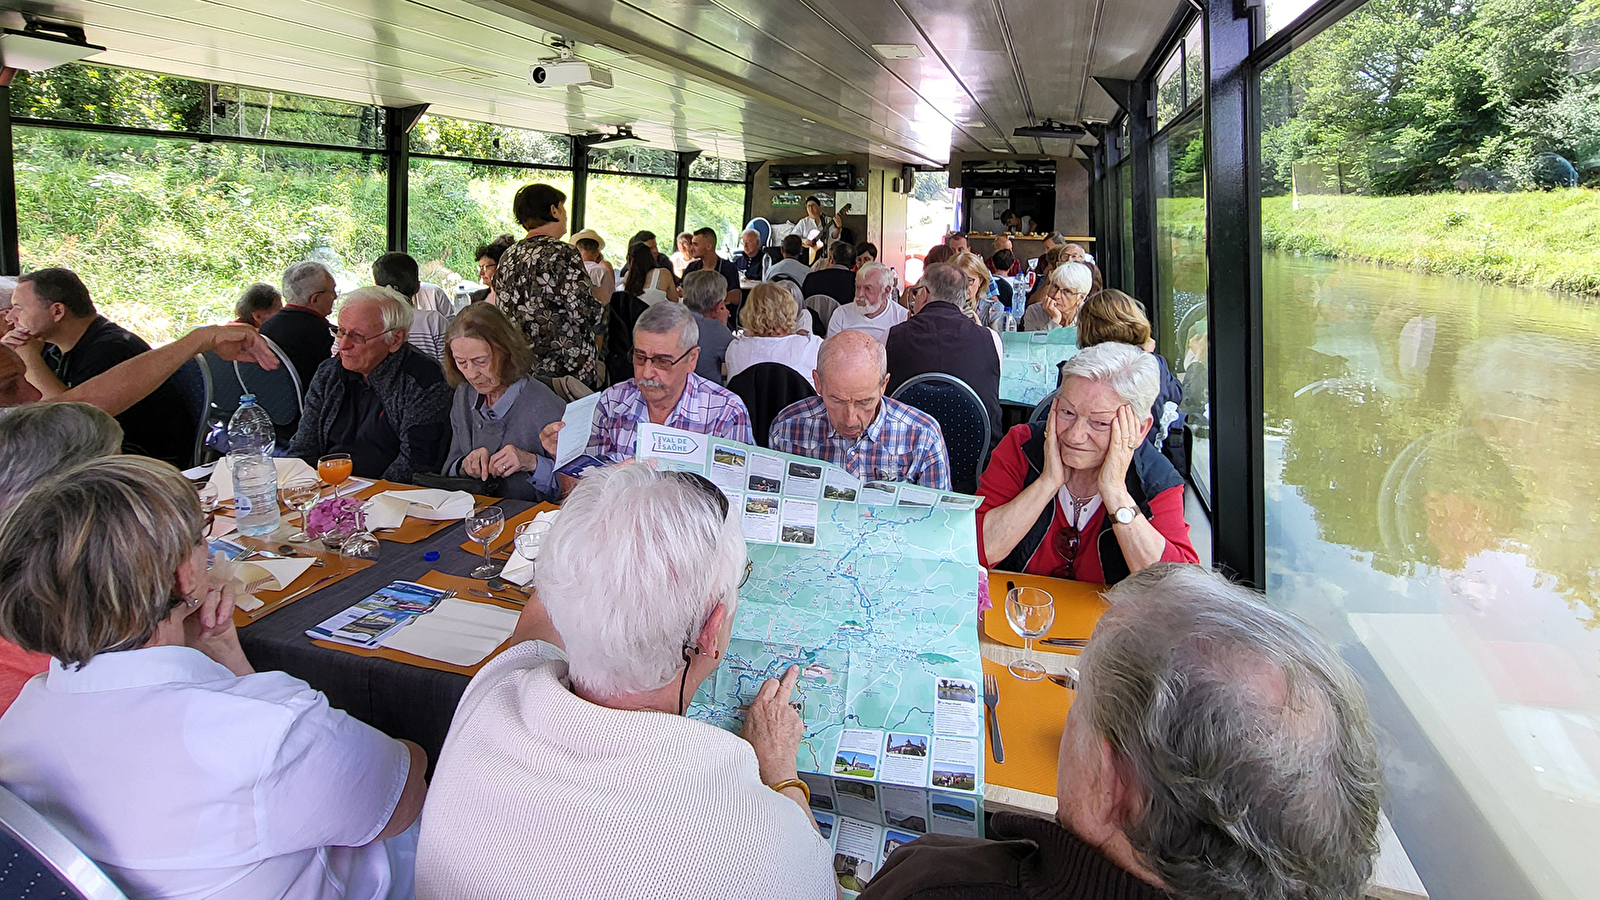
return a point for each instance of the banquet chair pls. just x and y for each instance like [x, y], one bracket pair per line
[961, 416]
[37, 861]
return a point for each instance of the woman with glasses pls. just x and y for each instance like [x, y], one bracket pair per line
[769, 318]
[1068, 286]
[1082, 495]
[488, 257]
[571, 769]
[151, 743]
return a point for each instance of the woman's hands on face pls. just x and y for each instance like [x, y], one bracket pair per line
[1055, 471]
[476, 463]
[1124, 441]
[774, 729]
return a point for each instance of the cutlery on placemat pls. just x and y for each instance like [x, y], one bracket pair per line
[1067, 681]
[991, 699]
[518, 601]
[1065, 642]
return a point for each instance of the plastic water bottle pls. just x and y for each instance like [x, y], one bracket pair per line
[255, 476]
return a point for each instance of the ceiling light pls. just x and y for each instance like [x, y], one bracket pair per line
[898, 51]
[466, 73]
[976, 124]
[808, 121]
[35, 50]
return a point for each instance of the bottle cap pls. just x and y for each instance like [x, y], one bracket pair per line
[431, 556]
[246, 398]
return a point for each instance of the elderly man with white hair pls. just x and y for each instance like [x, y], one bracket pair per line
[874, 310]
[851, 424]
[571, 770]
[750, 260]
[300, 329]
[664, 390]
[378, 399]
[1277, 796]
[1083, 495]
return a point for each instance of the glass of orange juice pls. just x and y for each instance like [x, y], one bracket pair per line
[334, 469]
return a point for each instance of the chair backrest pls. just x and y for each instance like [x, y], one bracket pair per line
[1041, 409]
[193, 382]
[279, 391]
[824, 306]
[818, 326]
[762, 227]
[225, 386]
[961, 416]
[40, 862]
[766, 388]
[622, 313]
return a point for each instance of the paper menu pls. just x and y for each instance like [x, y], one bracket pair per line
[577, 423]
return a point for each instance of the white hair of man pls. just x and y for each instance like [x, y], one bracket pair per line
[851, 346]
[750, 231]
[667, 318]
[1126, 369]
[41, 440]
[876, 273]
[397, 312]
[1277, 794]
[301, 279]
[1073, 276]
[632, 569]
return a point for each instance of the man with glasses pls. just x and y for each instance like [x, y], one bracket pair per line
[378, 399]
[664, 390]
[300, 329]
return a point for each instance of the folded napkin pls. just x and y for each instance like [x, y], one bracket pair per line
[519, 568]
[384, 511]
[456, 631]
[222, 475]
[434, 504]
[254, 575]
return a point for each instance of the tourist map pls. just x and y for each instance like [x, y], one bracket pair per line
[1028, 361]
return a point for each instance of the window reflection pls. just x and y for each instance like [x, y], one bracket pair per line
[1181, 283]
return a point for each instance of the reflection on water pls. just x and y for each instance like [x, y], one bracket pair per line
[1433, 498]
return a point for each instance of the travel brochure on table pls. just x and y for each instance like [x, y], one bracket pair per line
[374, 618]
[777, 493]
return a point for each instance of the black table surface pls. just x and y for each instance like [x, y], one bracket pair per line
[402, 701]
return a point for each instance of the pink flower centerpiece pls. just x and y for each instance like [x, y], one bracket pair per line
[335, 519]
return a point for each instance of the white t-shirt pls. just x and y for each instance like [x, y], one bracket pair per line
[797, 351]
[431, 296]
[849, 317]
[183, 780]
[540, 793]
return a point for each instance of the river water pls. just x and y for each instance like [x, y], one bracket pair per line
[1433, 505]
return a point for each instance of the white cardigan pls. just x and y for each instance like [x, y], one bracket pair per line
[539, 793]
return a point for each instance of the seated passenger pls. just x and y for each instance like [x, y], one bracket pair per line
[488, 257]
[431, 307]
[499, 408]
[257, 304]
[851, 424]
[301, 329]
[576, 774]
[1083, 495]
[378, 399]
[983, 296]
[874, 310]
[1113, 317]
[866, 252]
[664, 390]
[706, 299]
[750, 261]
[644, 279]
[769, 317]
[939, 338]
[1065, 290]
[791, 266]
[838, 278]
[38, 442]
[1277, 797]
[151, 743]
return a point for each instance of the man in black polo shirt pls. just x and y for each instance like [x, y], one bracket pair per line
[838, 280]
[705, 251]
[940, 338]
[301, 329]
[53, 306]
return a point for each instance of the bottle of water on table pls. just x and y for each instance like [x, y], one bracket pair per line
[255, 476]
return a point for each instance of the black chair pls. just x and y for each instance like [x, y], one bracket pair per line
[193, 382]
[961, 416]
[225, 389]
[766, 388]
[818, 327]
[279, 391]
[37, 861]
[622, 313]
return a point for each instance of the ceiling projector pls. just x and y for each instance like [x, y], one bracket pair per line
[568, 72]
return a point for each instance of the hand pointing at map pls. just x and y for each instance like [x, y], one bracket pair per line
[774, 729]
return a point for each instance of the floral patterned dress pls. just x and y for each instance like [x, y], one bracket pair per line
[543, 288]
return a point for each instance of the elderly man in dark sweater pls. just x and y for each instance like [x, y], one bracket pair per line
[1216, 749]
[377, 399]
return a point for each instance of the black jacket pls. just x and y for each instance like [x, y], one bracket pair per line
[834, 281]
[942, 339]
[415, 398]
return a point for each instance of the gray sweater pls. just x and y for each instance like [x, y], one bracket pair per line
[536, 407]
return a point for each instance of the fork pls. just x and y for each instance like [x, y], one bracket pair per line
[991, 699]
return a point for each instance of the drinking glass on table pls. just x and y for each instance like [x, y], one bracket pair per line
[361, 545]
[208, 505]
[300, 494]
[334, 469]
[529, 536]
[483, 526]
[1031, 612]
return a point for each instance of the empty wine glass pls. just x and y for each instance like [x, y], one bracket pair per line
[529, 536]
[208, 505]
[361, 545]
[1031, 612]
[300, 494]
[483, 526]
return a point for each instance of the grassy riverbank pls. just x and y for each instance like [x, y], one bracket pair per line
[1543, 239]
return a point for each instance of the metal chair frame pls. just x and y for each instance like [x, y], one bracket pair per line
[71, 865]
[283, 363]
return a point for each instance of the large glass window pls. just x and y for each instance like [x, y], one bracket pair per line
[444, 136]
[166, 232]
[621, 205]
[719, 206]
[1180, 244]
[717, 168]
[637, 160]
[930, 215]
[1125, 203]
[457, 207]
[1432, 363]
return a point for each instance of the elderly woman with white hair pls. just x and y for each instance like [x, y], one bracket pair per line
[575, 773]
[1068, 286]
[1083, 495]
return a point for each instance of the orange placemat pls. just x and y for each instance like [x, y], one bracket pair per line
[413, 529]
[1078, 607]
[1032, 715]
[434, 580]
[509, 533]
[334, 569]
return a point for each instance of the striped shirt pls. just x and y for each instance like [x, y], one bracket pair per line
[704, 407]
[902, 444]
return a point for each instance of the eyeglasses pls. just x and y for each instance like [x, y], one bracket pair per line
[1066, 544]
[661, 361]
[355, 338]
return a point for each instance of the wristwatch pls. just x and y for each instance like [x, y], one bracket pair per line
[1125, 515]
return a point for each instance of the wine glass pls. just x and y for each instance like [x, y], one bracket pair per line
[360, 545]
[300, 494]
[529, 536]
[1031, 613]
[208, 505]
[334, 469]
[483, 526]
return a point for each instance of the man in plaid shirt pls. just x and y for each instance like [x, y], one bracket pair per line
[851, 424]
[664, 389]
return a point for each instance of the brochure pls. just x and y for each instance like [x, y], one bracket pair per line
[957, 707]
[905, 759]
[368, 622]
[856, 850]
[577, 422]
[905, 808]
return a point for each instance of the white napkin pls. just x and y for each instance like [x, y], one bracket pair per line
[456, 631]
[384, 511]
[519, 568]
[257, 575]
[222, 475]
[434, 504]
